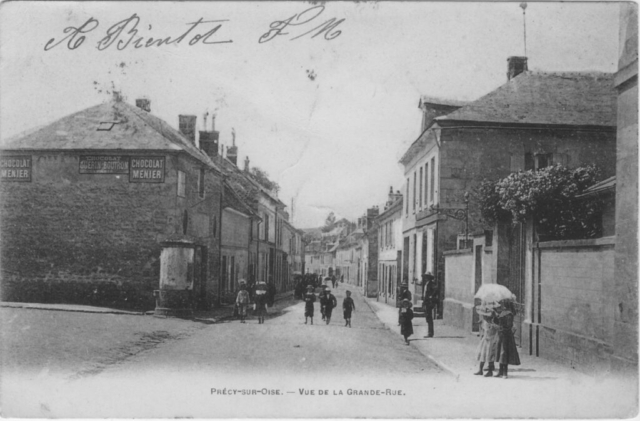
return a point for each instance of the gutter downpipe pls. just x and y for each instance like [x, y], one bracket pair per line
[220, 268]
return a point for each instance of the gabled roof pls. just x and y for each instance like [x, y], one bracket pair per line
[556, 98]
[425, 99]
[232, 200]
[113, 125]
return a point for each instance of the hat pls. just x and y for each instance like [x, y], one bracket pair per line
[327, 290]
[310, 287]
[406, 303]
[429, 275]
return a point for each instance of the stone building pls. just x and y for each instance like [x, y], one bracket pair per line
[88, 200]
[625, 302]
[534, 120]
[390, 248]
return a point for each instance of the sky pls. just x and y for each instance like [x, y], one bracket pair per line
[328, 114]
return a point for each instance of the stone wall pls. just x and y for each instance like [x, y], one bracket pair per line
[458, 294]
[574, 312]
[95, 238]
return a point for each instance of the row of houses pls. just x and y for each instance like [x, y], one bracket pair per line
[90, 202]
[573, 307]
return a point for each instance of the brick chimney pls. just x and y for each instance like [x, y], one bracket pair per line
[187, 126]
[232, 151]
[209, 143]
[515, 66]
[144, 104]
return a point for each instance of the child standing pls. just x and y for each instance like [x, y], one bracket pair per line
[405, 316]
[488, 347]
[347, 307]
[309, 299]
[242, 301]
[261, 301]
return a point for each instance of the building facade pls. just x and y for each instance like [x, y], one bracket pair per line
[87, 202]
[390, 248]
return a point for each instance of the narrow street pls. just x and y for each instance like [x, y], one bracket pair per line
[285, 345]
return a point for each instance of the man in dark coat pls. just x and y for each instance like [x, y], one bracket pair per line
[328, 302]
[429, 300]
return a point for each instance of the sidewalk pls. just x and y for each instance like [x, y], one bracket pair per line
[214, 315]
[454, 350]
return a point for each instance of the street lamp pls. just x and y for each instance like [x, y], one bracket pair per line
[457, 213]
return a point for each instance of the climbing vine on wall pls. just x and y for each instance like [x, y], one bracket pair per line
[549, 196]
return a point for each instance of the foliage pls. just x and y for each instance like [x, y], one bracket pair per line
[549, 196]
[262, 178]
[329, 223]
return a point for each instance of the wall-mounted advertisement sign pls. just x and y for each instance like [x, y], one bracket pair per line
[15, 168]
[147, 169]
[104, 164]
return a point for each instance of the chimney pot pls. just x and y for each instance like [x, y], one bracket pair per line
[515, 66]
[246, 164]
[144, 104]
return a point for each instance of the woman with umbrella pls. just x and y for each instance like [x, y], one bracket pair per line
[501, 317]
[261, 301]
[487, 351]
[507, 345]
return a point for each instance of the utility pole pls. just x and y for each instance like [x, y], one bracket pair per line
[523, 5]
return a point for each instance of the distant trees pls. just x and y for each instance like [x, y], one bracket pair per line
[329, 223]
[262, 178]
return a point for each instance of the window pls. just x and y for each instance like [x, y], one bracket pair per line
[415, 174]
[407, 197]
[420, 190]
[181, 184]
[433, 177]
[426, 183]
[201, 183]
[543, 160]
[528, 161]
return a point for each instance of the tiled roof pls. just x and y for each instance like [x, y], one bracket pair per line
[558, 98]
[232, 200]
[122, 127]
[425, 99]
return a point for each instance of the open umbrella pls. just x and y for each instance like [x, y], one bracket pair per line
[490, 293]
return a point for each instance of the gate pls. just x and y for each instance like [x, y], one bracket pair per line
[515, 280]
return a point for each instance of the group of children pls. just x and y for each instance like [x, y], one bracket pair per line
[327, 303]
[259, 301]
[498, 343]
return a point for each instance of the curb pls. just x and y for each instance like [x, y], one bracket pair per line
[31, 306]
[430, 357]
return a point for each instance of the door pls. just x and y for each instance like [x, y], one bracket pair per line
[478, 282]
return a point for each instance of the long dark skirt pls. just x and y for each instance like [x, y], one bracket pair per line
[261, 309]
[347, 314]
[406, 328]
[508, 352]
[308, 311]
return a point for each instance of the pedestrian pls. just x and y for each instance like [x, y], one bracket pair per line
[323, 292]
[429, 300]
[507, 350]
[328, 302]
[403, 294]
[333, 281]
[488, 347]
[309, 299]
[242, 301]
[271, 292]
[342, 279]
[260, 304]
[406, 315]
[347, 307]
